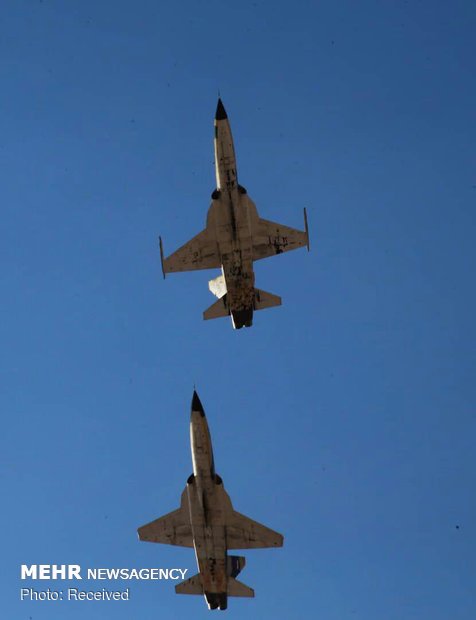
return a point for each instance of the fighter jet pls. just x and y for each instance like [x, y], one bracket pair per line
[207, 521]
[234, 237]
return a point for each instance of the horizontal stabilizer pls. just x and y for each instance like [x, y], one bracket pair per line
[265, 300]
[236, 588]
[190, 586]
[217, 310]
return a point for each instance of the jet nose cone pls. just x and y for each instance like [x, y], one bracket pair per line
[220, 114]
[197, 405]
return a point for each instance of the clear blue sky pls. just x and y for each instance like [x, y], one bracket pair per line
[344, 419]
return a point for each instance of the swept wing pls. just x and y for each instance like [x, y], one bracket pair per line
[244, 533]
[201, 252]
[172, 529]
[270, 238]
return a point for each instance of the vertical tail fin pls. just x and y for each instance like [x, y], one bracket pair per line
[217, 286]
[234, 565]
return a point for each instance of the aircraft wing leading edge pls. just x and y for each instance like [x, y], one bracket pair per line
[201, 252]
[172, 529]
[270, 238]
[244, 533]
